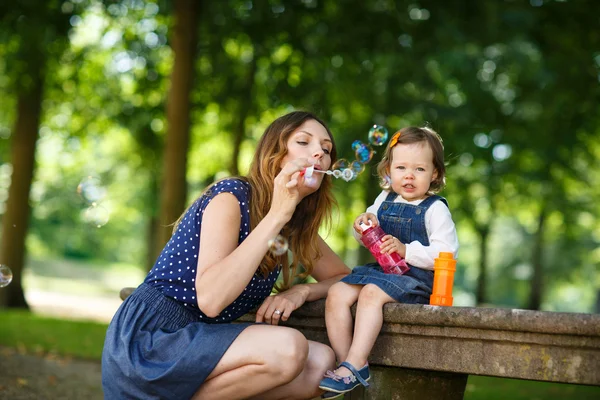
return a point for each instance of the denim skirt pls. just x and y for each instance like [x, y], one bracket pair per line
[413, 287]
[155, 348]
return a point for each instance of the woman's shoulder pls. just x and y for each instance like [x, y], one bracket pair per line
[236, 186]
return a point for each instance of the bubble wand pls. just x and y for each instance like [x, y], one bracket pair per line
[346, 174]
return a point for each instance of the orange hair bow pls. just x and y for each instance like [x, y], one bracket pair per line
[394, 139]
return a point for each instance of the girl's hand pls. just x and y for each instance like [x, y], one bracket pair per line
[285, 189]
[391, 244]
[280, 306]
[368, 219]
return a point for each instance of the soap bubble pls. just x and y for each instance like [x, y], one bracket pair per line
[357, 144]
[347, 174]
[337, 173]
[6, 276]
[278, 246]
[91, 190]
[341, 164]
[357, 167]
[364, 154]
[96, 215]
[378, 135]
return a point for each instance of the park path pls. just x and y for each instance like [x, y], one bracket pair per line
[47, 377]
[99, 308]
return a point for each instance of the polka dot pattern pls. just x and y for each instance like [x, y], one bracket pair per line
[174, 272]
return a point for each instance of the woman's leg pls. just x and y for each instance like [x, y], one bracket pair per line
[263, 358]
[369, 319]
[305, 385]
[338, 317]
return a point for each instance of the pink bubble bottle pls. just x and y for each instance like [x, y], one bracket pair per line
[391, 263]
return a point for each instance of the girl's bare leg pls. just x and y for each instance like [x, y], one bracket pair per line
[338, 317]
[264, 358]
[369, 319]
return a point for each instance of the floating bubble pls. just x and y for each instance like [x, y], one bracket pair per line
[6, 275]
[364, 154]
[342, 163]
[357, 167]
[96, 215]
[357, 144]
[337, 173]
[278, 246]
[378, 135]
[347, 175]
[91, 190]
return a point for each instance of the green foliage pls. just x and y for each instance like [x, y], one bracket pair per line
[512, 87]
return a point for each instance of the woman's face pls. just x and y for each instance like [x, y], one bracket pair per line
[310, 141]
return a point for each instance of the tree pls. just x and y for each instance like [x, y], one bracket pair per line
[174, 184]
[40, 31]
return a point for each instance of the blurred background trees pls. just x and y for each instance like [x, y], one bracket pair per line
[131, 107]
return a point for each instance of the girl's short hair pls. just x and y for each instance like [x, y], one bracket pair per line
[409, 135]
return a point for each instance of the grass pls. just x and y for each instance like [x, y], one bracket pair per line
[487, 388]
[42, 335]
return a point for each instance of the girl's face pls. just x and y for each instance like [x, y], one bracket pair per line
[412, 170]
[310, 141]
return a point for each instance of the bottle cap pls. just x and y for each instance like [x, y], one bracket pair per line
[364, 226]
[445, 260]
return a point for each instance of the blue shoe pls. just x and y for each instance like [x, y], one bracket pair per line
[343, 384]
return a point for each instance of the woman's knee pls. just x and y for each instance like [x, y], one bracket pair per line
[290, 354]
[320, 357]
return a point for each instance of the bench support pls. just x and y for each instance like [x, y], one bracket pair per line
[411, 384]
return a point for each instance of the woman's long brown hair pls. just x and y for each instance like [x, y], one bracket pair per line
[302, 231]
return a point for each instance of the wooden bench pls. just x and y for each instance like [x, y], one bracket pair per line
[428, 352]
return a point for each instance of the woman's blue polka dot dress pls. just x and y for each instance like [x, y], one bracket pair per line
[159, 343]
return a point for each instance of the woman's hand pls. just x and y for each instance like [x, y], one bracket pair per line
[391, 244]
[286, 195]
[368, 219]
[280, 306]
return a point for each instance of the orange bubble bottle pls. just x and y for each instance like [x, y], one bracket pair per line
[443, 279]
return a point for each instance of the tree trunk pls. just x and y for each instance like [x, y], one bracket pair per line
[537, 280]
[245, 106]
[481, 295]
[16, 218]
[174, 186]
[152, 251]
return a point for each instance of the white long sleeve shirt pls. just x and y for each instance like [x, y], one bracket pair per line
[440, 230]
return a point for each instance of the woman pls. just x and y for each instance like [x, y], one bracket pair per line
[173, 337]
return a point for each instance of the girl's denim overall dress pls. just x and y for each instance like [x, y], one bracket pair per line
[407, 223]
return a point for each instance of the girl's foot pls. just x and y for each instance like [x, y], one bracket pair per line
[343, 384]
